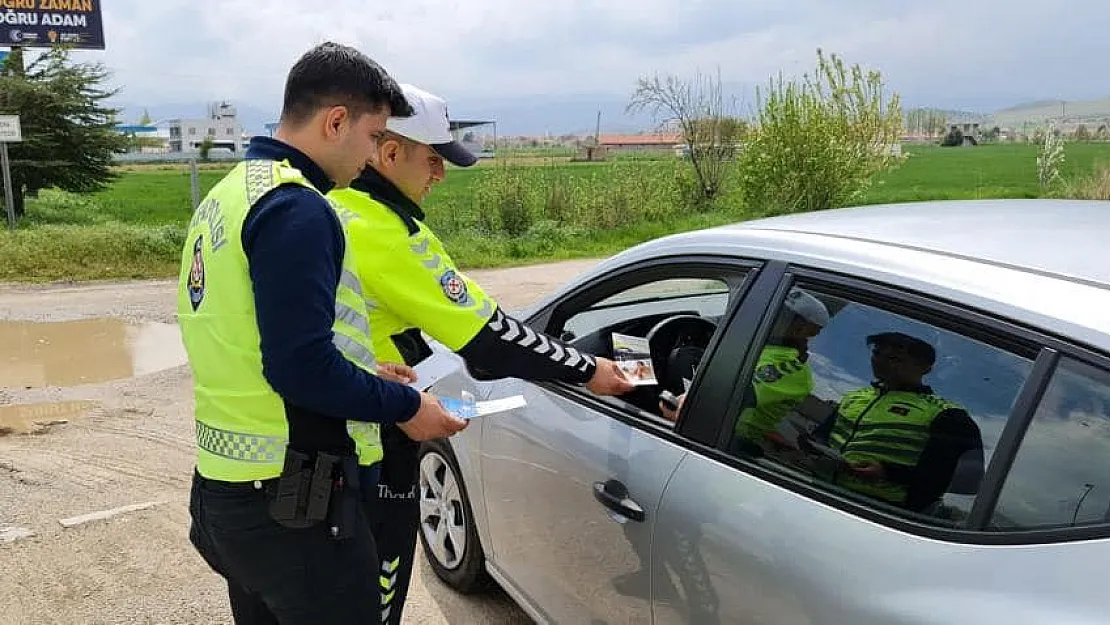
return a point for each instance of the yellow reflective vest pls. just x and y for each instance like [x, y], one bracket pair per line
[241, 428]
[891, 427]
[410, 281]
[781, 381]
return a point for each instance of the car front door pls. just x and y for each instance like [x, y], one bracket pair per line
[572, 481]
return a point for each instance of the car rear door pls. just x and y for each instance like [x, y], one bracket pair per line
[775, 536]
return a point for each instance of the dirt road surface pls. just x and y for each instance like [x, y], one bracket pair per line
[96, 414]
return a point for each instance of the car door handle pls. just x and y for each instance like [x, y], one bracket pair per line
[614, 495]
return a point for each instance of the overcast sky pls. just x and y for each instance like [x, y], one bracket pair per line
[971, 54]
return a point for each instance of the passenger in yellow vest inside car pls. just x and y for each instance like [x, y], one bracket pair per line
[275, 325]
[899, 441]
[782, 377]
[413, 287]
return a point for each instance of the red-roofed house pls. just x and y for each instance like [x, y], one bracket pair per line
[640, 143]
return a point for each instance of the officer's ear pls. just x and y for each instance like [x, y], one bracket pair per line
[390, 151]
[336, 119]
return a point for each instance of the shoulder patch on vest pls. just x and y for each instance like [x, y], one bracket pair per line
[196, 274]
[453, 286]
[768, 373]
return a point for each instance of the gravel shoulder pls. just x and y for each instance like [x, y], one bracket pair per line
[129, 441]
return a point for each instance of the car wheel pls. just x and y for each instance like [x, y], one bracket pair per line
[447, 531]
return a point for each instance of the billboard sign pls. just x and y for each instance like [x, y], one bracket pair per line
[47, 23]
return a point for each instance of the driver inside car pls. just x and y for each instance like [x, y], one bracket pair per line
[783, 376]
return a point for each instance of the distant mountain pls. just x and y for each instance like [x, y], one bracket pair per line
[1031, 105]
[577, 113]
[558, 115]
[1054, 111]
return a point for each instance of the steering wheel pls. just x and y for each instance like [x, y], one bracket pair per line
[677, 345]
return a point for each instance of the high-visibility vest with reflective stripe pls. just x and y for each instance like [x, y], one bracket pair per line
[890, 427]
[410, 280]
[781, 381]
[241, 427]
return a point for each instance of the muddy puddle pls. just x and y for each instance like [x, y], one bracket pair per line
[86, 351]
[38, 418]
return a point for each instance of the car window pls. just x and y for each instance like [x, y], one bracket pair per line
[702, 296]
[875, 406]
[618, 325]
[1061, 473]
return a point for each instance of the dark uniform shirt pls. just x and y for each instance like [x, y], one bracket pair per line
[294, 246]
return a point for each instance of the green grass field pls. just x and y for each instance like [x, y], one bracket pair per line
[492, 215]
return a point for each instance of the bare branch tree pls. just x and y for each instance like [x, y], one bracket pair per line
[697, 106]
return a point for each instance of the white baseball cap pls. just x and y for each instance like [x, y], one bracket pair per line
[431, 126]
[807, 307]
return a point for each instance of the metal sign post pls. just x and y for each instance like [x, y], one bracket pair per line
[10, 132]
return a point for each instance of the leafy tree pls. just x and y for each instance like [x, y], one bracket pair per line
[69, 135]
[818, 142]
[144, 119]
[1082, 133]
[205, 147]
[954, 138]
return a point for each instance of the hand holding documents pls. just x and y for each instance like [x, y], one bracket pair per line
[467, 408]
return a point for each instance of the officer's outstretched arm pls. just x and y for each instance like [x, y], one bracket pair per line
[505, 347]
[424, 287]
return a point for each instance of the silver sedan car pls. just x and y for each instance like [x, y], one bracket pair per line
[890, 415]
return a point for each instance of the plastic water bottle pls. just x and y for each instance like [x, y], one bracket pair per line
[465, 407]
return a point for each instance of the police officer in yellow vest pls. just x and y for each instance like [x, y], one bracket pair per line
[275, 324]
[413, 286]
[900, 442]
[783, 376]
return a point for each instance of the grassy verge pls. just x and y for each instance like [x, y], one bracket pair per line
[494, 215]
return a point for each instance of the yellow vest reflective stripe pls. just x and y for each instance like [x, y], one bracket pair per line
[410, 279]
[356, 343]
[241, 427]
[781, 381]
[890, 427]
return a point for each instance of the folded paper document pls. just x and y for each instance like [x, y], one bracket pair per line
[468, 409]
[433, 369]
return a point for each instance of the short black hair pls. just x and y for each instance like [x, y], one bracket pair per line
[332, 74]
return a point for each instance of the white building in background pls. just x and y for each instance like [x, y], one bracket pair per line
[221, 126]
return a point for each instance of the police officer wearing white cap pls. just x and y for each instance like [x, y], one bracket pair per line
[782, 376]
[414, 287]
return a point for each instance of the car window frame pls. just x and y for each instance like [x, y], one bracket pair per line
[553, 315]
[1044, 349]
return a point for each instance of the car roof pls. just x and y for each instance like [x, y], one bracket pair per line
[1057, 237]
[1037, 262]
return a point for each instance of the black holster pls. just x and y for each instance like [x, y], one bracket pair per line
[308, 493]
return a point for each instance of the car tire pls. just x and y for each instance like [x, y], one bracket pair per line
[464, 570]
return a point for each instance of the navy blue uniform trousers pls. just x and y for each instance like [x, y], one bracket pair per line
[391, 502]
[277, 575]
